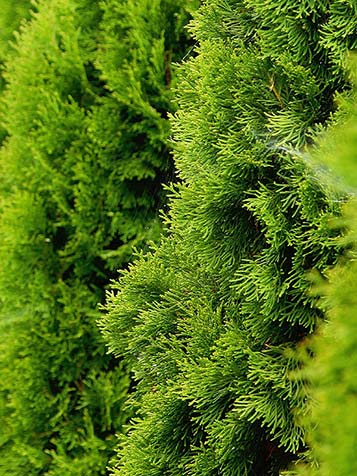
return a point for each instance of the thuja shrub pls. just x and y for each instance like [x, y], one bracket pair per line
[211, 320]
[87, 149]
[12, 14]
[332, 420]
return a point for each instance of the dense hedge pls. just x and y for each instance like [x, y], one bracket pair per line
[87, 149]
[333, 417]
[12, 15]
[212, 320]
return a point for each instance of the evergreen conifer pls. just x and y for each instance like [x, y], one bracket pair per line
[11, 17]
[12, 14]
[87, 149]
[212, 320]
[332, 421]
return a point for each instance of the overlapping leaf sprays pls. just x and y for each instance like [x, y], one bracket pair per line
[81, 172]
[210, 321]
[11, 17]
[332, 421]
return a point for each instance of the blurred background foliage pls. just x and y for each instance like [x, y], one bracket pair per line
[84, 156]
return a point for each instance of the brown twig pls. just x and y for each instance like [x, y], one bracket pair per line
[275, 92]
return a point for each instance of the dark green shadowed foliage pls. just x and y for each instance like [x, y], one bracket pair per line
[211, 320]
[82, 167]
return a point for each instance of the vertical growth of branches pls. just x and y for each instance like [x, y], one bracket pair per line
[86, 151]
[211, 321]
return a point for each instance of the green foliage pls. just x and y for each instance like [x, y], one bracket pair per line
[333, 418]
[87, 149]
[12, 14]
[212, 320]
